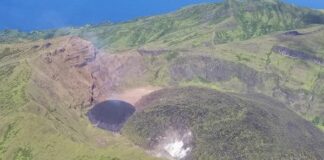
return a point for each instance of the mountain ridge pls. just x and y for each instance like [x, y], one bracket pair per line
[50, 79]
[195, 14]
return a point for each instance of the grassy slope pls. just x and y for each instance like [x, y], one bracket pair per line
[46, 138]
[29, 130]
[295, 76]
[200, 29]
[206, 24]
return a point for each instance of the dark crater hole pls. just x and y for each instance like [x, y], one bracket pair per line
[110, 115]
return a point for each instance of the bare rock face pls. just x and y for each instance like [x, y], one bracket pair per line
[63, 73]
[72, 72]
[79, 52]
[116, 71]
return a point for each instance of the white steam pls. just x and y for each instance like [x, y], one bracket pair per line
[173, 145]
[177, 149]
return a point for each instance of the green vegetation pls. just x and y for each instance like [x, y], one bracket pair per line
[37, 137]
[172, 55]
[47, 127]
[222, 46]
[13, 83]
[316, 120]
[23, 154]
[192, 26]
[257, 18]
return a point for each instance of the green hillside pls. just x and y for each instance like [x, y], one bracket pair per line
[43, 118]
[50, 79]
[210, 23]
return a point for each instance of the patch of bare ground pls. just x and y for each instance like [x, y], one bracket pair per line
[134, 95]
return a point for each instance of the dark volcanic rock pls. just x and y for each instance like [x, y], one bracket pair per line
[110, 115]
[144, 52]
[47, 45]
[297, 54]
[213, 70]
[292, 33]
[226, 125]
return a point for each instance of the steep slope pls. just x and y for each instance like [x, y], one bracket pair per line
[51, 79]
[46, 88]
[208, 24]
[214, 125]
[233, 33]
[254, 66]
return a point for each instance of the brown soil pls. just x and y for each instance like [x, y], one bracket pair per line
[71, 72]
[134, 95]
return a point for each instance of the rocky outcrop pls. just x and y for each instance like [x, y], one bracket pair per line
[63, 73]
[292, 33]
[74, 73]
[297, 54]
[117, 71]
